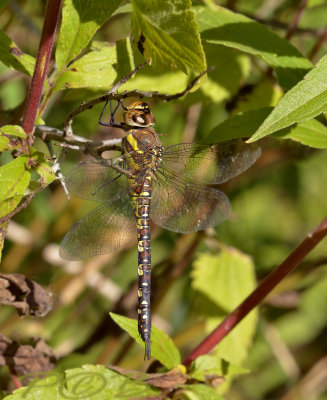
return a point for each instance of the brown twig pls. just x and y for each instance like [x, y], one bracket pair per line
[322, 37]
[23, 205]
[296, 19]
[123, 95]
[41, 66]
[264, 288]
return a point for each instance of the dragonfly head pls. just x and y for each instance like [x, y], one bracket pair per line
[139, 114]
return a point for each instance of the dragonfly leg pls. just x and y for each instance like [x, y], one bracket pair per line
[112, 114]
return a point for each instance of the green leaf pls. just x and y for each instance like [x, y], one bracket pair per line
[169, 82]
[231, 68]
[4, 143]
[13, 57]
[14, 179]
[310, 133]
[264, 94]
[80, 21]
[168, 35]
[238, 126]
[95, 69]
[227, 279]
[306, 100]
[42, 167]
[7, 142]
[221, 26]
[198, 391]
[3, 3]
[3, 233]
[208, 365]
[15, 130]
[98, 68]
[162, 347]
[94, 382]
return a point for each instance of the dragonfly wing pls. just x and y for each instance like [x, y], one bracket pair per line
[98, 180]
[210, 164]
[183, 206]
[101, 231]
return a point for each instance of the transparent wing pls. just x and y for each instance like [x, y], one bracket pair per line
[209, 164]
[101, 231]
[183, 206]
[98, 180]
[105, 180]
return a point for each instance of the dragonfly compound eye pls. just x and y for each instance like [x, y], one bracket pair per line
[138, 118]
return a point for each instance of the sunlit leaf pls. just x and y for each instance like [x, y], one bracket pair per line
[3, 232]
[14, 179]
[227, 279]
[42, 167]
[310, 133]
[231, 68]
[264, 94]
[15, 130]
[80, 21]
[304, 101]
[198, 391]
[167, 34]
[94, 382]
[221, 26]
[208, 365]
[13, 57]
[238, 126]
[95, 69]
[162, 347]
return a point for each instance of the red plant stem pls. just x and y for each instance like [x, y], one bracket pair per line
[41, 67]
[14, 377]
[264, 288]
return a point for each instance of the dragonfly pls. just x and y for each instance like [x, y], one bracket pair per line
[169, 185]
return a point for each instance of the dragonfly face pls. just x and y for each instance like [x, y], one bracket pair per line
[168, 185]
[139, 114]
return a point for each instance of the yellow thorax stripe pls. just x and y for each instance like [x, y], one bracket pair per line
[132, 141]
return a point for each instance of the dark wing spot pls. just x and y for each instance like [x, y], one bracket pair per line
[140, 43]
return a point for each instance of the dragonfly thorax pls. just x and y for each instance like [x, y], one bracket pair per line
[139, 114]
[141, 139]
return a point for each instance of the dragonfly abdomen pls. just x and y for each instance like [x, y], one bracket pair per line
[141, 198]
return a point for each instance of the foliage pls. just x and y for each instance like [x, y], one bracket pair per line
[268, 86]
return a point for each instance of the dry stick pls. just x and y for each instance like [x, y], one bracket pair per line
[41, 66]
[47, 133]
[296, 19]
[264, 288]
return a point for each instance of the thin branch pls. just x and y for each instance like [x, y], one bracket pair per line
[264, 288]
[123, 95]
[321, 39]
[41, 66]
[25, 203]
[56, 167]
[127, 77]
[75, 142]
[283, 25]
[296, 19]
